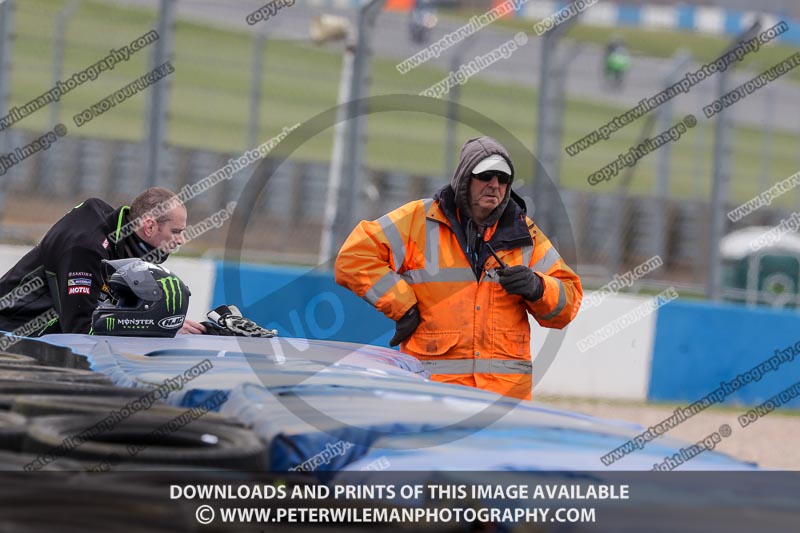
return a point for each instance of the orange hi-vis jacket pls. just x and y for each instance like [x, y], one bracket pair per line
[472, 332]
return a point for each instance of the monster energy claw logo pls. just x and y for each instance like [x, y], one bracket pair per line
[110, 323]
[172, 292]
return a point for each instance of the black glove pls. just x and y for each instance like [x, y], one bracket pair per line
[228, 320]
[405, 326]
[521, 280]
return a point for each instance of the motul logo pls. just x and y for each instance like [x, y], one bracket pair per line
[171, 322]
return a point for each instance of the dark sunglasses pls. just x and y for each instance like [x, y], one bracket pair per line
[502, 177]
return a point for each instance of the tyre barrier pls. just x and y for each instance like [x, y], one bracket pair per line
[148, 438]
[76, 504]
[7, 359]
[12, 431]
[39, 386]
[49, 405]
[70, 375]
[15, 462]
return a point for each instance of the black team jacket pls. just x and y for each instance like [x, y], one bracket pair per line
[64, 271]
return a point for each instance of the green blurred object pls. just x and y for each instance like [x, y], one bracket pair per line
[767, 276]
[618, 62]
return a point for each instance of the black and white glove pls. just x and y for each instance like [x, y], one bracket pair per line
[521, 280]
[228, 320]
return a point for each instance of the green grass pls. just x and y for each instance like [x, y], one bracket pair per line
[210, 95]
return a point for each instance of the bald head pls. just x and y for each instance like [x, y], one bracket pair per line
[160, 218]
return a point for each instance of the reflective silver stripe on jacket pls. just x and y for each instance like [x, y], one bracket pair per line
[477, 366]
[381, 287]
[422, 275]
[562, 301]
[527, 252]
[431, 240]
[549, 259]
[395, 240]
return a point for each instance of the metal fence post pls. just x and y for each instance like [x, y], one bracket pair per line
[6, 40]
[721, 178]
[352, 174]
[452, 108]
[550, 122]
[59, 32]
[331, 213]
[663, 155]
[257, 69]
[156, 116]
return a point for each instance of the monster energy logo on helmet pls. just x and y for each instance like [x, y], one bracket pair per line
[172, 293]
[110, 323]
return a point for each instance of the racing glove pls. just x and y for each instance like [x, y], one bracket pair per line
[228, 320]
[521, 280]
[405, 326]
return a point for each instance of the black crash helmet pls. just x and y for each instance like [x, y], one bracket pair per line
[147, 300]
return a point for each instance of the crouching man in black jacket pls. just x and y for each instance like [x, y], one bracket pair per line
[63, 273]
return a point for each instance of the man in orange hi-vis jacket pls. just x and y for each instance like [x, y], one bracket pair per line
[459, 273]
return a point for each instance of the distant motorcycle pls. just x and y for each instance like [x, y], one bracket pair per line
[617, 63]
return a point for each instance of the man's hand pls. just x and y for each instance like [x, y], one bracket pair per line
[521, 280]
[405, 326]
[192, 327]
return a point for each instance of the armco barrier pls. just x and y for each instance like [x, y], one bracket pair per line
[700, 345]
[302, 303]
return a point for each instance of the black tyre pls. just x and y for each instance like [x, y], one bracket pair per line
[67, 375]
[16, 387]
[49, 405]
[76, 504]
[12, 429]
[149, 438]
[16, 462]
[16, 359]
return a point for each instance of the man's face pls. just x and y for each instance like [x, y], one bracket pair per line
[167, 236]
[484, 196]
